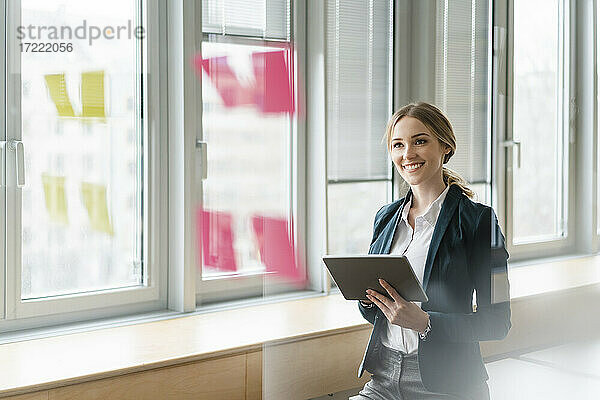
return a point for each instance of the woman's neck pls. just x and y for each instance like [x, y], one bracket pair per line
[424, 195]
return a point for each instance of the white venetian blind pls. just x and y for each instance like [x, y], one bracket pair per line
[359, 87]
[462, 81]
[269, 19]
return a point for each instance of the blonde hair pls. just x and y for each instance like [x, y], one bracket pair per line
[439, 125]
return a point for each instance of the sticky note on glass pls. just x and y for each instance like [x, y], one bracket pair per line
[214, 233]
[225, 81]
[56, 200]
[276, 247]
[274, 92]
[58, 93]
[92, 94]
[94, 199]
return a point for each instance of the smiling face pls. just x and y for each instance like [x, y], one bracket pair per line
[417, 154]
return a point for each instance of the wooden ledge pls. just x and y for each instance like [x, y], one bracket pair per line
[74, 358]
[553, 276]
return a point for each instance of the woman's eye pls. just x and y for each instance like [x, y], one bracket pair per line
[420, 141]
[397, 145]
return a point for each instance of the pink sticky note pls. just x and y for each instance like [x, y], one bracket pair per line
[215, 238]
[276, 247]
[225, 81]
[274, 88]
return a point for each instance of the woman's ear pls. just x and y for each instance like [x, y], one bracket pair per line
[447, 154]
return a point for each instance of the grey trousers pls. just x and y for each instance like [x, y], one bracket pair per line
[397, 376]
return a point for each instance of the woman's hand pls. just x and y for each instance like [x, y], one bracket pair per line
[399, 311]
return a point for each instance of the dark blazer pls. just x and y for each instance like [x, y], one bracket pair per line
[466, 253]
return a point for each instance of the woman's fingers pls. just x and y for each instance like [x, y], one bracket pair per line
[392, 292]
[381, 305]
[382, 298]
[398, 311]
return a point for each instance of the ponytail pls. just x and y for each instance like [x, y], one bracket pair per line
[452, 178]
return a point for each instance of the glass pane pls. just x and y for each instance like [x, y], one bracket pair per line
[82, 131]
[267, 19]
[482, 192]
[598, 129]
[247, 107]
[537, 197]
[461, 81]
[359, 88]
[350, 222]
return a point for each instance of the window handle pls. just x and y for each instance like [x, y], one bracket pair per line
[202, 162]
[2, 163]
[17, 147]
[517, 144]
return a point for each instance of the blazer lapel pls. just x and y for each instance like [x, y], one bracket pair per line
[448, 207]
[387, 245]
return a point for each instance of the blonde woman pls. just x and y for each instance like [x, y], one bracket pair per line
[455, 246]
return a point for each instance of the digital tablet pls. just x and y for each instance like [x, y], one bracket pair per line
[355, 274]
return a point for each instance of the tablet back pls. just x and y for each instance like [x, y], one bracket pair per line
[355, 274]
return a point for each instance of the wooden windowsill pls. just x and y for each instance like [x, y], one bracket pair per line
[74, 358]
[50, 362]
[551, 276]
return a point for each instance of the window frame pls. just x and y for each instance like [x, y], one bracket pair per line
[151, 295]
[171, 273]
[3, 151]
[504, 188]
[315, 144]
[588, 119]
[259, 285]
[392, 179]
[594, 53]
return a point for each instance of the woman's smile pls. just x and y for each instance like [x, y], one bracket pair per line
[412, 167]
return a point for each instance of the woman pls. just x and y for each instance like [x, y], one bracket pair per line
[456, 248]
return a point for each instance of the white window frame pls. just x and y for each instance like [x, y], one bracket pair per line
[260, 285]
[316, 145]
[503, 176]
[3, 108]
[393, 178]
[589, 121]
[96, 304]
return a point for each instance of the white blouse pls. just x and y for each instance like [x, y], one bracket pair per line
[414, 245]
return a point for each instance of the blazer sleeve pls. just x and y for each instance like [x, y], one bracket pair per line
[369, 313]
[488, 271]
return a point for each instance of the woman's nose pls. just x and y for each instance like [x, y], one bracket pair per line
[409, 151]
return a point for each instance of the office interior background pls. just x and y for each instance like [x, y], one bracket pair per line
[174, 171]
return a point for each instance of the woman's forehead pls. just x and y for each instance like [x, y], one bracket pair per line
[407, 127]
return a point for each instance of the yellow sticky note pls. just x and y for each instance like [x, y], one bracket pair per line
[58, 93]
[92, 94]
[56, 200]
[94, 198]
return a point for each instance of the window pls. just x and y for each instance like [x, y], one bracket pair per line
[462, 87]
[90, 199]
[246, 219]
[537, 204]
[3, 151]
[597, 94]
[78, 157]
[359, 104]
[88, 196]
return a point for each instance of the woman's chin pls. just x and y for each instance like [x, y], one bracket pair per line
[419, 180]
[412, 180]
